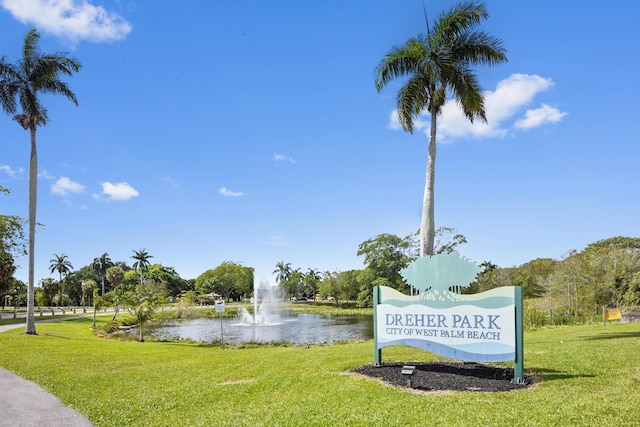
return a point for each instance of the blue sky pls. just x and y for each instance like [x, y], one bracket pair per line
[252, 132]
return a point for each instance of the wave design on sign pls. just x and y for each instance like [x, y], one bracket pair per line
[484, 352]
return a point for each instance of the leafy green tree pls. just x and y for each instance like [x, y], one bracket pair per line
[533, 275]
[49, 288]
[61, 264]
[447, 240]
[229, 279]
[34, 74]
[311, 281]
[73, 289]
[173, 282]
[114, 275]
[12, 243]
[384, 256]
[100, 265]
[17, 293]
[631, 297]
[345, 285]
[130, 280]
[142, 261]
[294, 284]
[630, 244]
[438, 64]
[87, 289]
[7, 270]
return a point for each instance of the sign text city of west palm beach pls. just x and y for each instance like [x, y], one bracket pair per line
[476, 326]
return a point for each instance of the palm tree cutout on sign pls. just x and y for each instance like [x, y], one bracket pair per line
[435, 275]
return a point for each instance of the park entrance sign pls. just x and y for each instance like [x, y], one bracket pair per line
[484, 327]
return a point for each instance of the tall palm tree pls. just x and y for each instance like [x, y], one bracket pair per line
[34, 74]
[283, 272]
[438, 65]
[100, 266]
[142, 261]
[63, 266]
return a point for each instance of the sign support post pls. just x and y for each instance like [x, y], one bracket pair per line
[518, 371]
[377, 352]
[220, 309]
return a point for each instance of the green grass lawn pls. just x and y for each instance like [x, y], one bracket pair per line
[584, 375]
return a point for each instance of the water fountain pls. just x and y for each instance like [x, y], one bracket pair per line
[269, 323]
[266, 307]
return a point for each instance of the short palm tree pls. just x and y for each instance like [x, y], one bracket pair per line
[62, 265]
[143, 312]
[87, 289]
[438, 65]
[34, 74]
[100, 266]
[142, 261]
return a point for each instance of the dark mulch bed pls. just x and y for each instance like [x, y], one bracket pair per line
[446, 376]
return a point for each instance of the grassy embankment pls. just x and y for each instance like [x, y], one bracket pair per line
[585, 375]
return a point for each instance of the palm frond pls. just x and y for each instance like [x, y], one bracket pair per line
[400, 61]
[462, 17]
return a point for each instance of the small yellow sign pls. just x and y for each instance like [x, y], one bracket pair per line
[612, 314]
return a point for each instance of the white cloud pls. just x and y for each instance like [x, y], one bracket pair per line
[540, 116]
[172, 182]
[119, 191]
[11, 172]
[64, 186]
[283, 158]
[277, 240]
[501, 106]
[225, 192]
[72, 19]
[46, 175]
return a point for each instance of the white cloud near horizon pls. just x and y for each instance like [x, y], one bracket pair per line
[501, 106]
[283, 158]
[72, 19]
[228, 193]
[118, 191]
[64, 186]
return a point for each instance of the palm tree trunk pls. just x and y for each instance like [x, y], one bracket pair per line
[60, 303]
[427, 226]
[33, 195]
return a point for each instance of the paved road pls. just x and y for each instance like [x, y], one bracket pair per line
[25, 404]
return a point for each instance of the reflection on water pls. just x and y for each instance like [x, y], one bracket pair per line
[294, 329]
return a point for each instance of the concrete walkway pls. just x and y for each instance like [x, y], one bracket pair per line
[25, 404]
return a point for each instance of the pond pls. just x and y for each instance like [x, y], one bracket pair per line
[294, 329]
